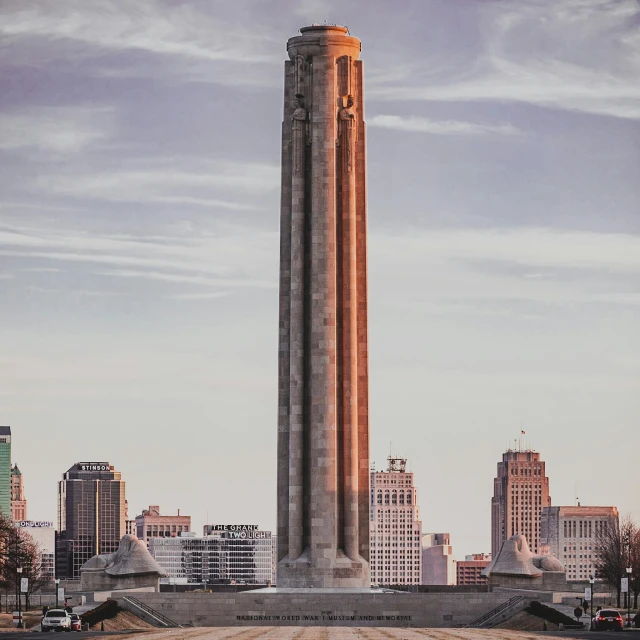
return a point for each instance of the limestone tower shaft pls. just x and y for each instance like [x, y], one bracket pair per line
[323, 420]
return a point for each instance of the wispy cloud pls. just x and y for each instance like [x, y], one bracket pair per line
[203, 295]
[62, 130]
[187, 39]
[163, 28]
[178, 182]
[581, 55]
[417, 124]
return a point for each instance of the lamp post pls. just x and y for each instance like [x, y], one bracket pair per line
[57, 581]
[628, 596]
[18, 576]
[592, 582]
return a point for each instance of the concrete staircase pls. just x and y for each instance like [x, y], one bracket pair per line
[148, 614]
[499, 614]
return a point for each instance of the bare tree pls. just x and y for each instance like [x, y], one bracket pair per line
[19, 550]
[612, 552]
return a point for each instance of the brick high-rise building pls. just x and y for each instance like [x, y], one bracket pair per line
[395, 526]
[469, 570]
[150, 524]
[520, 492]
[91, 515]
[570, 534]
[18, 501]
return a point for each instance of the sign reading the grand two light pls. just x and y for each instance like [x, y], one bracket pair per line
[242, 531]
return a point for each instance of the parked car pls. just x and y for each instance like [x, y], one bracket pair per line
[607, 619]
[76, 622]
[56, 620]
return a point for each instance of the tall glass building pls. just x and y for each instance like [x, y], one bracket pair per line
[224, 556]
[5, 471]
[91, 515]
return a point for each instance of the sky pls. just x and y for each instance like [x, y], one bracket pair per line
[139, 213]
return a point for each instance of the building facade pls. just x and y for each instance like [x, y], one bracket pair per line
[5, 471]
[91, 515]
[395, 526]
[42, 533]
[18, 501]
[152, 524]
[469, 570]
[520, 492]
[570, 534]
[323, 397]
[230, 554]
[438, 565]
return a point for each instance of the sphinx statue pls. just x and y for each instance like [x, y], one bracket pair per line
[130, 567]
[515, 563]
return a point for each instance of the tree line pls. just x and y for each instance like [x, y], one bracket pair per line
[618, 547]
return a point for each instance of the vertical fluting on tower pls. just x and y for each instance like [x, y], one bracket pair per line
[323, 479]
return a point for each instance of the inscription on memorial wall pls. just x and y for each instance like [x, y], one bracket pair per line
[322, 618]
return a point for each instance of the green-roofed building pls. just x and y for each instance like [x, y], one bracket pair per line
[5, 471]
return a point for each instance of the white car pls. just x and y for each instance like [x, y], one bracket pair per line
[56, 620]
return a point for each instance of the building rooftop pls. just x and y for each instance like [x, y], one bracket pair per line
[5, 431]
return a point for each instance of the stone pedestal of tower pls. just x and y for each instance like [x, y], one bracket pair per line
[323, 431]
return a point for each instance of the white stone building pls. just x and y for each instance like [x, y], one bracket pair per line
[230, 554]
[43, 533]
[395, 527]
[570, 534]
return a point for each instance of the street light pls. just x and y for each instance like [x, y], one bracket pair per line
[592, 582]
[57, 581]
[18, 576]
[628, 596]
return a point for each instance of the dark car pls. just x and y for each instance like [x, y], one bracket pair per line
[607, 619]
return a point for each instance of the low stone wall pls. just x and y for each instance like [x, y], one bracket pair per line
[313, 608]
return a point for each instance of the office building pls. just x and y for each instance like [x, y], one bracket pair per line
[395, 527]
[18, 501]
[230, 554]
[91, 515]
[43, 534]
[5, 471]
[520, 492]
[151, 524]
[469, 570]
[570, 534]
[438, 565]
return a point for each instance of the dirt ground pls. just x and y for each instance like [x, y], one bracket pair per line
[124, 620]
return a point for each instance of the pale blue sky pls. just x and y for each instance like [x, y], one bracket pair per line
[139, 182]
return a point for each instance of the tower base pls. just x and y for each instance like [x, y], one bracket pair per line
[302, 573]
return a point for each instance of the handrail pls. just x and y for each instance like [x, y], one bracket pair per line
[478, 622]
[167, 622]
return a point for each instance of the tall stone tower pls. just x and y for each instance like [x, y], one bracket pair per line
[323, 420]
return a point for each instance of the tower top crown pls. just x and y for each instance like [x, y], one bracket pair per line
[325, 28]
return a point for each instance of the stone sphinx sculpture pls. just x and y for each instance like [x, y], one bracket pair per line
[130, 567]
[515, 565]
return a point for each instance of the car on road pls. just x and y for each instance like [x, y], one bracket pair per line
[76, 622]
[606, 619]
[56, 620]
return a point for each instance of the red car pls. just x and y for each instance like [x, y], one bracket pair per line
[76, 622]
[607, 619]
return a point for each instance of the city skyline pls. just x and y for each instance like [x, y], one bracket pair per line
[138, 246]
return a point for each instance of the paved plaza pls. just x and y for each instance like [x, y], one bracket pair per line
[341, 633]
